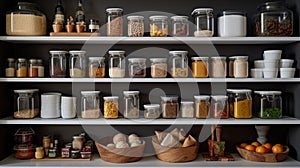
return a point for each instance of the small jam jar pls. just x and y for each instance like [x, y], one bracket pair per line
[39, 153]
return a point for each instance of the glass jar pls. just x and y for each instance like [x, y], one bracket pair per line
[187, 109]
[32, 68]
[135, 26]
[158, 26]
[218, 67]
[179, 64]
[96, 67]
[26, 103]
[21, 66]
[159, 67]
[180, 26]
[273, 19]
[94, 25]
[204, 21]
[77, 64]
[77, 142]
[26, 20]
[131, 104]
[230, 67]
[137, 67]
[58, 64]
[10, 69]
[268, 104]
[200, 67]
[111, 107]
[219, 106]
[232, 24]
[152, 111]
[240, 67]
[170, 106]
[240, 103]
[41, 69]
[114, 22]
[116, 64]
[46, 144]
[39, 153]
[90, 104]
[202, 105]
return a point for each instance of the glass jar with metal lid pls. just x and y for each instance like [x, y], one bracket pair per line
[159, 67]
[26, 103]
[32, 68]
[219, 106]
[218, 67]
[240, 67]
[158, 26]
[187, 109]
[202, 105]
[111, 107]
[274, 19]
[240, 103]
[180, 26]
[152, 111]
[10, 69]
[21, 65]
[268, 104]
[114, 22]
[135, 26]
[96, 67]
[94, 25]
[131, 104]
[204, 21]
[77, 142]
[90, 104]
[178, 63]
[77, 64]
[137, 67]
[58, 64]
[200, 67]
[170, 106]
[116, 64]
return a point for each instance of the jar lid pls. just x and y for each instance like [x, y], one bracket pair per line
[200, 58]
[137, 59]
[169, 98]
[179, 18]
[187, 102]
[111, 98]
[202, 97]
[94, 21]
[268, 92]
[131, 92]
[26, 91]
[75, 151]
[158, 17]
[135, 17]
[233, 12]
[114, 10]
[21, 59]
[158, 60]
[202, 11]
[146, 106]
[39, 61]
[77, 137]
[57, 52]
[218, 58]
[178, 52]
[239, 90]
[232, 58]
[241, 57]
[219, 97]
[90, 92]
[32, 60]
[116, 52]
[96, 58]
[39, 148]
[74, 52]
[10, 59]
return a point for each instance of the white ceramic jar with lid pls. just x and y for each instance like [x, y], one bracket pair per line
[204, 21]
[232, 24]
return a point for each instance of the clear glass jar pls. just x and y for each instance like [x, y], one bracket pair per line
[94, 25]
[90, 104]
[230, 66]
[116, 64]
[21, 65]
[179, 64]
[204, 21]
[187, 109]
[219, 106]
[268, 104]
[41, 69]
[77, 64]
[131, 104]
[200, 67]
[10, 69]
[273, 19]
[180, 26]
[218, 67]
[96, 67]
[240, 103]
[77, 142]
[152, 111]
[135, 26]
[202, 105]
[26, 20]
[26, 103]
[232, 24]
[137, 67]
[170, 106]
[240, 67]
[32, 68]
[58, 64]
[114, 22]
[158, 26]
[39, 153]
[159, 67]
[111, 107]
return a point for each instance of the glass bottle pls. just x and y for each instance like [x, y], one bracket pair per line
[58, 64]
[96, 67]
[158, 26]
[77, 64]
[131, 104]
[32, 68]
[204, 21]
[90, 104]
[137, 67]
[59, 17]
[178, 64]
[39, 153]
[80, 14]
[116, 64]
[114, 22]
[94, 25]
[21, 65]
[10, 68]
[180, 26]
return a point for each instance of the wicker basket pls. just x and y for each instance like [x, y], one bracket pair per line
[173, 155]
[125, 155]
[264, 157]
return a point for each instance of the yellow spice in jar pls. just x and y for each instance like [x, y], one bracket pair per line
[111, 109]
[243, 109]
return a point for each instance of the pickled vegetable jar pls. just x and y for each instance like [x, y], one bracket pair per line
[178, 63]
[202, 105]
[240, 103]
[219, 106]
[268, 104]
[111, 107]
[158, 26]
[200, 67]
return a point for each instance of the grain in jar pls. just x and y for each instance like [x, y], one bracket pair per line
[187, 109]
[219, 106]
[240, 67]
[41, 69]
[96, 67]
[26, 103]
[21, 65]
[10, 69]
[32, 68]
[240, 103]
[77, 64]
[158, 26]
[131, 104]
[204, 21]
[152, 111]
[178, 63]
[170, 106]
[135, 26]
[116, 64]
[180, 26]
[202, 105]
[137, 67]
[200, 67]
[114, 25]
[111, 107]
[159, 67]
[218, 67]
[90, 104]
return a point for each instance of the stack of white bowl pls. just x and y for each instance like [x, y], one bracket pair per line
[50, 105]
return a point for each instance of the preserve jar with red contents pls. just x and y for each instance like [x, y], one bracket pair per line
[219, 106]
[24, 136]
[58, 64]
[24, 151]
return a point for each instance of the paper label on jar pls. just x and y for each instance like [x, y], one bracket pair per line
[94, 27]
[59, 18]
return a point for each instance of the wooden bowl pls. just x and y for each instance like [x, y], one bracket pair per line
[173, 155]
[264, 157]
[125, 155]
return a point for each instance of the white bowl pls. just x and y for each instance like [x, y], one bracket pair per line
[257, 73]
[259, 64]
[287, 72]
[270, 72]
[272, 54]
[271, 63]
[286, 63]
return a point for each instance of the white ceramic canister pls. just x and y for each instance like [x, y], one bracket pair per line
[232, 24]
[50, 105]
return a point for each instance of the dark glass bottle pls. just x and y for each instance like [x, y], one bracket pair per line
[59, 13]
[80, 16]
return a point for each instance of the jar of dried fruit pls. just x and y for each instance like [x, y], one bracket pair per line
[178, 63]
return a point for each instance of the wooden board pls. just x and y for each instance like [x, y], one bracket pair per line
[227, 157]
[62, 159]
[83, 34]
